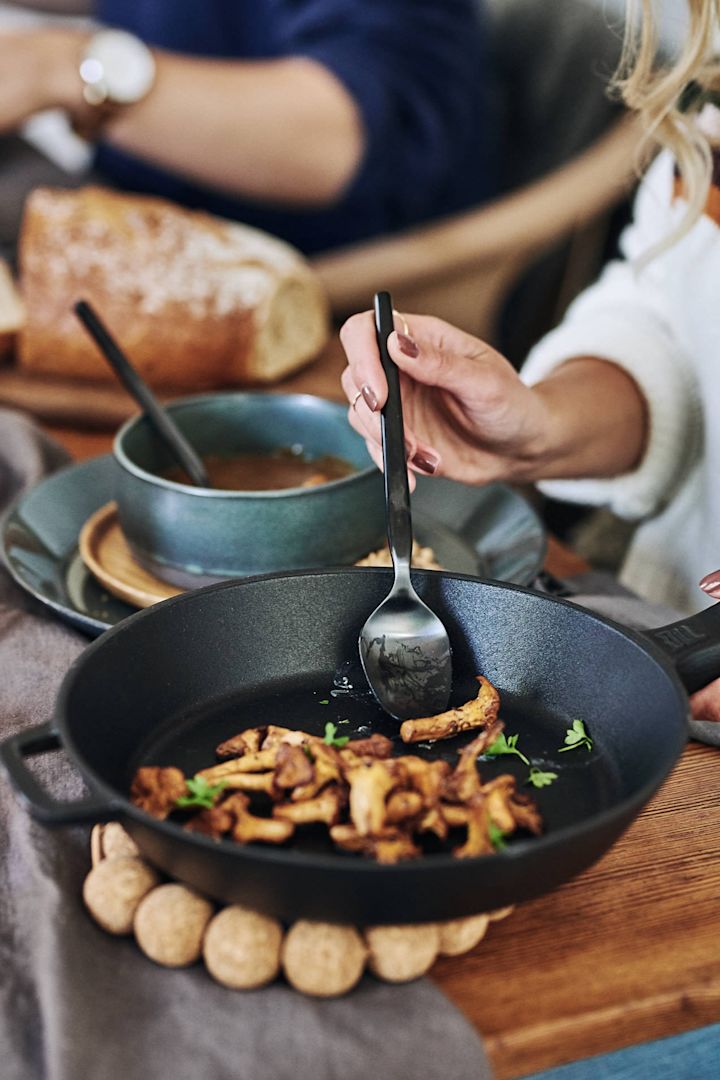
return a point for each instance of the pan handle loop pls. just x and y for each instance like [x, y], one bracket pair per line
[693, 646]
[42, 806]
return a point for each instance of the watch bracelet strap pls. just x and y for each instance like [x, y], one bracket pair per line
[91, 120]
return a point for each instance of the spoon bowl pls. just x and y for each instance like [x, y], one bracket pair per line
[404, 647]
[405, 654]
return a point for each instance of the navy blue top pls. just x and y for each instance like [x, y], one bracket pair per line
[417, 69]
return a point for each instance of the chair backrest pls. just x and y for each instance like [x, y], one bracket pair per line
[462, 267]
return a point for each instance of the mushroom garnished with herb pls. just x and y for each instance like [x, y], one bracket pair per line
[275, 781]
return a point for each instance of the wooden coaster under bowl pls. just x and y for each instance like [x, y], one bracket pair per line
[105, 552]
[107, 555]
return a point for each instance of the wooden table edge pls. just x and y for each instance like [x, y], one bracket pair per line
[567, 1039]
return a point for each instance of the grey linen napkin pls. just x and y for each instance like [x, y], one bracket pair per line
[76, 1003]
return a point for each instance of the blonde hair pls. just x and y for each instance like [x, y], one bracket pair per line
[657, 93]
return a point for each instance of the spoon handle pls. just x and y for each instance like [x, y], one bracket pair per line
[171, 435]
[397, 490]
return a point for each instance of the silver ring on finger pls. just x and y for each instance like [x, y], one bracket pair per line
[355, 400]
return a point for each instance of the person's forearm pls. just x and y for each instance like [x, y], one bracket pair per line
[597, 421]
[284, 129]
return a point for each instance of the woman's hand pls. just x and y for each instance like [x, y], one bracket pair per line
[39, 71]
[705, 703]
[467, 414]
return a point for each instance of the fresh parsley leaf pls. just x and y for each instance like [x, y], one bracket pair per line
[506, 745]
[576, 737]
[539, 779]
[201, 794]
[497, 836]
[332, 739]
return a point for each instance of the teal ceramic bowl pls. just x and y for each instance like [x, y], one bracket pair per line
[194, 536]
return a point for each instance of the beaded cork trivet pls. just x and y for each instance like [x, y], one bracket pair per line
[243, 949]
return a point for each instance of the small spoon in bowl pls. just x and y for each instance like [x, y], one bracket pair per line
[404, 647]
[166, 428]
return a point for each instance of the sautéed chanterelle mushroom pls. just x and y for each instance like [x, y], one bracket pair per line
[273, 781]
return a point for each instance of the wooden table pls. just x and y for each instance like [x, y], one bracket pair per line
[627, 952]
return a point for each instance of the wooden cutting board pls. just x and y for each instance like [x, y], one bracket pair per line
[61, 401]
[104, 406]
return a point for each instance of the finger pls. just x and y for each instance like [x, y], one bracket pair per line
[350, 389]
[363, 414]
[417, 459]
[710, 584]
[705, 703]
[375, 453]
[365, 423]
[426, 460]
[421, 457]
[354, 393]
[358, 340]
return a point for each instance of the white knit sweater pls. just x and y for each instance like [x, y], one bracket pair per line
[662, 324]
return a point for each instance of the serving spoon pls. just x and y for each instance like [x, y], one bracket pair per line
[404, 647]
[131, 379]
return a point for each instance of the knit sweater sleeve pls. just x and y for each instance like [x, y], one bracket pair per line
[622, 318]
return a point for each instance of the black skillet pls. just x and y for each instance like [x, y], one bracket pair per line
[166, 685]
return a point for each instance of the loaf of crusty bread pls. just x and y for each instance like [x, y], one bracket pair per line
[194, 300]
[12, 313]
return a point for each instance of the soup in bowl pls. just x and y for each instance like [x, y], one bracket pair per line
[293, 487]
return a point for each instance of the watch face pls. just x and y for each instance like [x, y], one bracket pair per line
[117, 67]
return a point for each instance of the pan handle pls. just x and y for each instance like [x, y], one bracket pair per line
[42, 806]
[693, 646]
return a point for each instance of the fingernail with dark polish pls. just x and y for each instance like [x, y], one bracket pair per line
[369, 397]
[407, 345]
[427, 462]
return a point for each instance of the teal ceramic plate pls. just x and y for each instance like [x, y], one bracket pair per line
[491, 532]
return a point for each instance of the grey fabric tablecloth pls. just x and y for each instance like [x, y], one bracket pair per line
[76, 1003]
